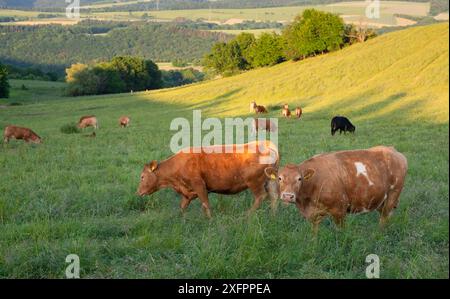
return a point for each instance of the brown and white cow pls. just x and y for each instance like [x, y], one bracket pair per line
[338, 183]
[298, 112]
[286, 112]
[20, 133]
[88, 121]
[222, 169]
[124, 121]
[263, 124]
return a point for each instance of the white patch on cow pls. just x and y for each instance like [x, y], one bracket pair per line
[385, 196]
[361, 169]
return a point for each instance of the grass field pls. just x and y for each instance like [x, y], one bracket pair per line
[77, 195]
[349, 10]
[256, 32]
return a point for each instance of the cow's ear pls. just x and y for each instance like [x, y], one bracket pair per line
[271, 173]
[309, 173]
[152, 165]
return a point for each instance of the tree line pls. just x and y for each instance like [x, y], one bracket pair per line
[311, 33]
[4, 84]
[54, 47]
[124, 74]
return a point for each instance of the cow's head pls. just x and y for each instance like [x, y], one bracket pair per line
[149, 179]
[352, 128]
[290, 180]
[34, 138]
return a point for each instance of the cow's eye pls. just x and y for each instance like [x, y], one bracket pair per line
[299, 179]
[279, 178]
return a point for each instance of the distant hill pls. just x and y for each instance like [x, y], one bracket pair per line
[404, 73]
[40, 3]
[54, 47]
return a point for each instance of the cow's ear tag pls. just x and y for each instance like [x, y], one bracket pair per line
[273, 177]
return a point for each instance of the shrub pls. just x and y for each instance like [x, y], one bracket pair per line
[71, 128]
[4, 84]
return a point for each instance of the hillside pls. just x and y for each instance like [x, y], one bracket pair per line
[54, 47]
[74, 194]
[403, 71]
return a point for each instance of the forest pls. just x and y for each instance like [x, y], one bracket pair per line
[54, 47]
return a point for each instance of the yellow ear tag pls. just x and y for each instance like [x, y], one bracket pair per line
[273, 177]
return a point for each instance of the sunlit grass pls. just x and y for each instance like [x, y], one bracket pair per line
[77, 195]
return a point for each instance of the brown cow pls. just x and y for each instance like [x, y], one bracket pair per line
[338, 183]
[260, 109]
[286, 112]
[124, 121]
[222, 169]
[263, 124]
[88, 121]
[20, 133]
[298, 112]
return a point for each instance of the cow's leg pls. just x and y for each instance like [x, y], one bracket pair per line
[184, 204]
[339, 220]
[315, 221]
[259, 193]
[6, 139]
[200, 188]
[388, 206]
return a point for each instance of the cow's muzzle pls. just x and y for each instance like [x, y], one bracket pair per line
[288, 197]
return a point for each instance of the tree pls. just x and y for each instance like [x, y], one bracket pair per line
[136, 73]
[4, 84]
[73, 70]
[267, 50]
[225, 59]
[122, 74]
[245, 41]
[358, 34]
[313, 32]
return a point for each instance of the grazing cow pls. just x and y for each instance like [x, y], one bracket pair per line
[298, 112]
[124, 121]
[88, 121]
[252, 106]
[20, 133]
[260, 109]
[286, 112]
[222, 169]
[263, 124]
[338, 183]
[341, 123]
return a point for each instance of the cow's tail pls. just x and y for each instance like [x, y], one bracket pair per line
[273, 156]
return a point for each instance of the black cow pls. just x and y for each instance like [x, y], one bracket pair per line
[341, 123]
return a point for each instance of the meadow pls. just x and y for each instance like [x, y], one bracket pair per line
[76, 195]
[348, 10]
[353, 12]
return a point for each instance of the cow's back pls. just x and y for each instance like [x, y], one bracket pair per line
[362, 178]
[228, 170]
